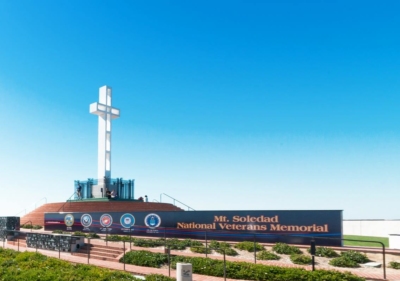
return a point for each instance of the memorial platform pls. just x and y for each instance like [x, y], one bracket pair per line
[36, 217]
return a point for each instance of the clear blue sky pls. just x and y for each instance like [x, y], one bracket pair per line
[257, 105]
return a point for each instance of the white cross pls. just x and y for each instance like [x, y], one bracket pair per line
[105, 112]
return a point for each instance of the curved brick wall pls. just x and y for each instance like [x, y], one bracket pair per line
[37, 215]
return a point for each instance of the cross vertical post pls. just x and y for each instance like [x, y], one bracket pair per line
[106, 113]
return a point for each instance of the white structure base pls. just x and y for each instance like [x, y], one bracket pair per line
[98, 191]
[378, 228]
[184, 272]
[394, 241]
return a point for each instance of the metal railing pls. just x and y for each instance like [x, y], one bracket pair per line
[175, 200]
[32, 206]
[67, 202]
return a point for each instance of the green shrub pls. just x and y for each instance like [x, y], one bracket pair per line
[176, 244]
[249, 246]
[59, 231]
[30, 226]
[300, 259]
[92, 235]
[394, 265]
[285, 249]
[158, 277]
[149, 243]
[222, 247]
[343, 262]
[79, 233]
[355, 256]
[324, 252]
[113, 238]
[23, 266]
[248, 271]
[200, 250]
[267, 255]
[145, 258]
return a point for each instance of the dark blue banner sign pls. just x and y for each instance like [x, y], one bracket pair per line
[294, 227]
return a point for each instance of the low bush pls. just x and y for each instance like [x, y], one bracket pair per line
[158, 277]
[355, 256]
[223, 247]
[79, 233]
[176, 244]
[324, 252]
[267, 255]
[200, 250]
[23, 266]
[247, 271]
[30, 226]
[115, 237]
[394, 265]
[92, 235]
[300, 259]
[149, 243]
[285, 249]
[249, 246]
[145, 258]
[343, 262]
[59, 231]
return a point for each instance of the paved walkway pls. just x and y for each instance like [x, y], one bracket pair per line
[369, 274]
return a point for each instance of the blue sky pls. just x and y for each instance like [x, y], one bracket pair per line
[247, 105]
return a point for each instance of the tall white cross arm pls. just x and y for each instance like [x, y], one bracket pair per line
[106, 113]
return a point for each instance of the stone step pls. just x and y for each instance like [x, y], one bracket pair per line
[105, 247]
[97, 257]
[98, 253]
[85, 249]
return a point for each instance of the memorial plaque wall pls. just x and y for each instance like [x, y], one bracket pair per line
[55, 242]
[7, 224]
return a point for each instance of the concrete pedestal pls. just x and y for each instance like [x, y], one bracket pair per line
[184, 272]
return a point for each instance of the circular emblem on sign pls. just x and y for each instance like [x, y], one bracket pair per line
[127, 220]
[106, 220]
[69, 220]
[86, 220]
[152, 220]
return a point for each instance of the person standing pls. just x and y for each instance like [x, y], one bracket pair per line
[78, 191]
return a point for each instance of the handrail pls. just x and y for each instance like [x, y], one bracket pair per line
[31, 224]
[155, 200]
[68, 201]
[176, 201]
[368, 241]
[45, 200]
[34, 204]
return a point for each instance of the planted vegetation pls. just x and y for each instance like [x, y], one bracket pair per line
[325, 252]
[267, 255]
[394, 265]
[350, 259]
[249, 246]
[25, 266]
[223, 248]
[300, 259]
[237, 270]
[30, 226]
[285, 249]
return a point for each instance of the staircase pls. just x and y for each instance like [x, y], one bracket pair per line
[100, 252]
[37, 215]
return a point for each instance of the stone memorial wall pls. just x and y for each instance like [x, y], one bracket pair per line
[54, 242]
[7, 224]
